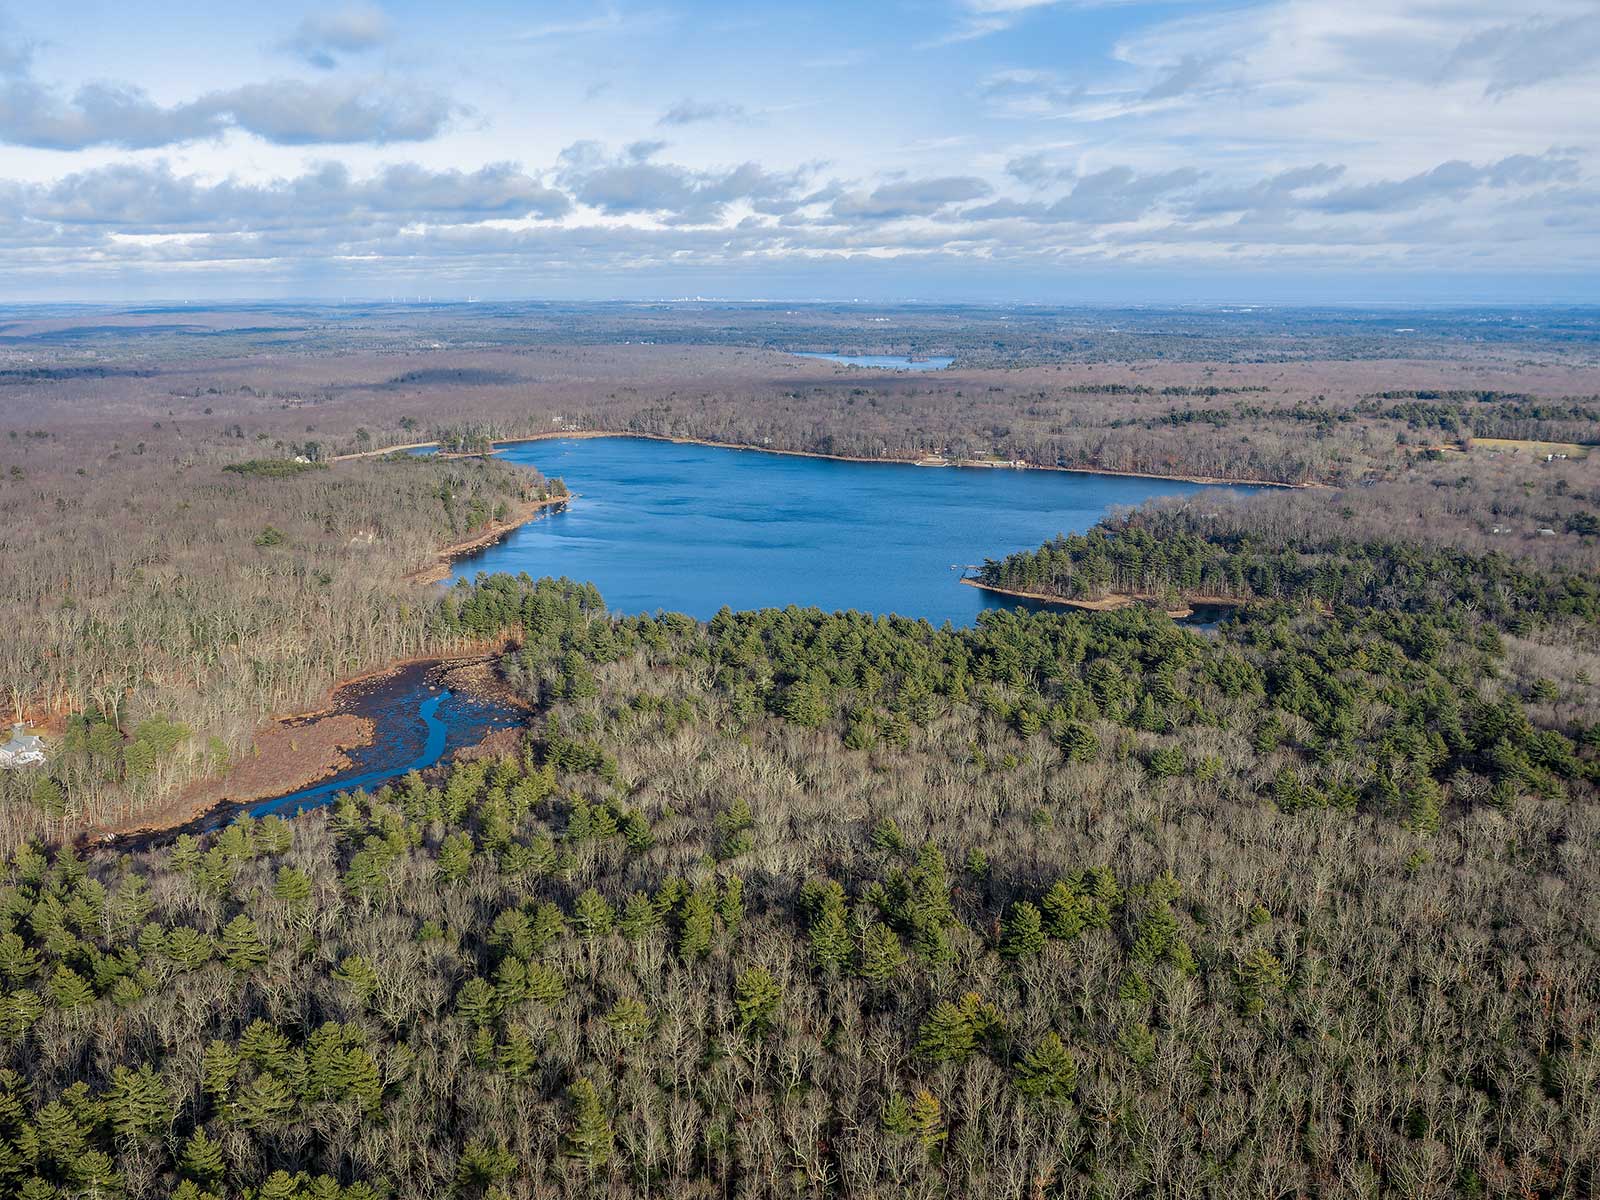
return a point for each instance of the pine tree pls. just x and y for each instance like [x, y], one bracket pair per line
[357, 974]
[188, 947]
[138, 1103]
[630, 1020]
[265, 1046]
[947, 1035]
[639, 918]
[829, 935]
[61, 1139]
[480, 1167]
[68, 989]
[881, 955]
[281, 1185]
[896, 1116]
[264, 1104]
[202, 1159]
[1048, 1072]
[455, 857]
[476, 1002]
[592, 916]
[1065, 911]
[516, 1057]
[589, 1137]
[1023, 933]
[1260, 977]
[756, 999]
[694, 936]
[1079, 742]
[1137, 1042]
[927, 1119]
[292, 887]
[242, 948]
[732, 827]
[95, 1174]
[219, 1067]
[19, 962]
[730, 905]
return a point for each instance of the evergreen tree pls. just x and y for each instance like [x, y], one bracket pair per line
[219, 1067]
[68, 989]
[698, 925]
[241, 946]
[588, 1139]
[1048, 1072]
[455, 857]
[1260, 977]
[592, 916]
[756, 999]
[1023, 933]
[202, 1160]
[829, 936]
[630, 1020]
[639, 918]
[357, 974]
[138, 1103]
[881, 956]
[264, 1104]
[927, 1119]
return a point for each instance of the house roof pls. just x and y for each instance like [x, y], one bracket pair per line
[22, 742]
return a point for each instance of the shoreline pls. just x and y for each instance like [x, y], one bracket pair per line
[447, 555]
[333, 724]
[968, 463]
[1109, 603]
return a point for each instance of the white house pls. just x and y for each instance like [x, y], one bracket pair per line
[23, 750]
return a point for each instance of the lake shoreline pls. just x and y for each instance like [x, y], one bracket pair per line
[971, 463]
[1109, 603]
[447, 555]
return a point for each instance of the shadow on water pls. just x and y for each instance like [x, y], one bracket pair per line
[417, 723]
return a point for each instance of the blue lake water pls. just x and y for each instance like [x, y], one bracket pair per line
[684, 528]
[881, 362]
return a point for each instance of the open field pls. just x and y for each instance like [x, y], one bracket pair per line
[1529, 446]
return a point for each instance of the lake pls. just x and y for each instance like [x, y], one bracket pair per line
[686, 528]
[880, 362]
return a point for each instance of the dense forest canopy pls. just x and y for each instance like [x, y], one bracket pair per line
[795, 903]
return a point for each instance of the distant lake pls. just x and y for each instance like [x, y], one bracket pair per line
[881, 362]
[684, 528]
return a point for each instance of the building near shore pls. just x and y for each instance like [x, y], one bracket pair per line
[23, 750]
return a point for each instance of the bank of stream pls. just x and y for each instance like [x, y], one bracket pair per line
[417, 716]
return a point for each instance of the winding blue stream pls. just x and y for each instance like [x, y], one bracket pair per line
[431, 751]
[417, 723]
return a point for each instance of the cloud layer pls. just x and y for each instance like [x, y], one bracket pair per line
[1396, 136]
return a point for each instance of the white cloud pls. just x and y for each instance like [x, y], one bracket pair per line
[322, 37]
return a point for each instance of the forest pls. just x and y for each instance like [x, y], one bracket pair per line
[798, 903]
[795, 903]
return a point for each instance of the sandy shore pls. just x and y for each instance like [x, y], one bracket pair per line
[1108, 603]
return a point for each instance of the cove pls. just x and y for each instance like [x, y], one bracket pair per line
[689, 528]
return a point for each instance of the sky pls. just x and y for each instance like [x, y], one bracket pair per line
[1029, 151]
